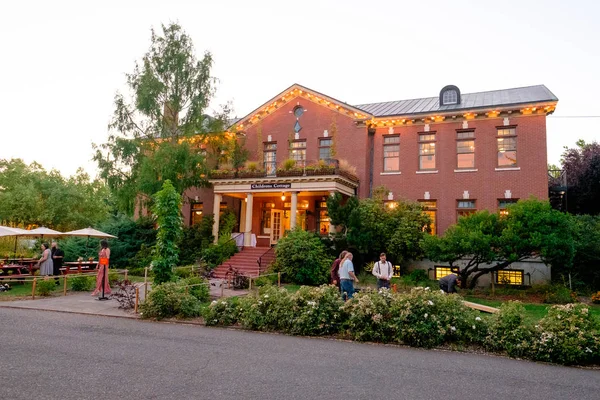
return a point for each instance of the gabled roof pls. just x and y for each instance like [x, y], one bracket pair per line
[469, 101]
[297, 90]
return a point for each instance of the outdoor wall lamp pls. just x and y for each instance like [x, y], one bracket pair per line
[282, 196]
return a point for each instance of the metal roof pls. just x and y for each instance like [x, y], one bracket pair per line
[469, 101]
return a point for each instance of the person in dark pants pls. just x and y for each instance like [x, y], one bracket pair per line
[57, 258]
[384, 271]
[449, 282]
[335, 267]
[347, 277]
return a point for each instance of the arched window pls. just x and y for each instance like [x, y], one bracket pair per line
[449, 95]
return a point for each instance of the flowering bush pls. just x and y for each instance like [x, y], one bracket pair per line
[222, 312]
[426, 318]
[170, 300]
[269, 310]
[508, 332]
[567, 335]
[369, 316]
[317, 311]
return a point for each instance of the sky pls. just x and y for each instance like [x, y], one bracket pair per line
[62, 62]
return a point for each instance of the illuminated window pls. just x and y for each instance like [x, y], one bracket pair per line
[465, 150]
[507, 147]
[430, 209]
[270, 158]
[196, 213]
[503, 205]
[509, 277]
[441, 272]
[391, 153]
[298, 152]
[265, 225]
[427, 151]
[222, 208]
[322, 218]
[325, 149]
[464, 208]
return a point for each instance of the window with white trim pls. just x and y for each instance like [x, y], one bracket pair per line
[507, 147]
[391, 153]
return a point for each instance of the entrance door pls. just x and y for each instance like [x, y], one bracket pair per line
[276, 225]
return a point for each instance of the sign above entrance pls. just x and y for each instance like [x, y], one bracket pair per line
[270, 186]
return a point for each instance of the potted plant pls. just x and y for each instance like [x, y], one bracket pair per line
[251, 171]
[289, 168]
[222, 174]
[347, 170]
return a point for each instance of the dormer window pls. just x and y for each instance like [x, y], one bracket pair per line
[449, 95]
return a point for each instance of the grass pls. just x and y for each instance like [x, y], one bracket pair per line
[20, 290]
[534, 312]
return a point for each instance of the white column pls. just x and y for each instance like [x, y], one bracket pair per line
[216, 211]
[248, 226]
[331, 226]
[294, 210]
[243, 217]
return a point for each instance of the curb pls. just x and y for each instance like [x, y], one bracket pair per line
[133, 317]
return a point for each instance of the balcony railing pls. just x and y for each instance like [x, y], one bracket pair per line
[557, 179]
[300, 168]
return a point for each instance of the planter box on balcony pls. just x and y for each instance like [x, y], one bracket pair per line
[290, 173]
[251, 174]
[217, 174]
[322, 171]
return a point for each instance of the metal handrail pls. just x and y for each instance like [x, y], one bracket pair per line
[259, 261]
[235, 237]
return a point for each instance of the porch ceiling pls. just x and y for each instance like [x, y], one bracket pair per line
[307, 186]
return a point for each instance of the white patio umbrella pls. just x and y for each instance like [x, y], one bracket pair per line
[89, 232]
[16, 232]
[43, 231]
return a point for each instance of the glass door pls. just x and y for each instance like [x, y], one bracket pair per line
[276, 225]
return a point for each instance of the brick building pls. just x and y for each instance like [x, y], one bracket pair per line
[455, 153]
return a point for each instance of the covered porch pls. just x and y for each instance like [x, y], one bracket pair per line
[272, 206]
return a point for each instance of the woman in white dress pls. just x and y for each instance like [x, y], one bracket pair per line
[45, 263]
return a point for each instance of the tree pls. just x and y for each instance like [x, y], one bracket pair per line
[586, 263]
[483, 242]
[29, 195]
[162, 132]
[370, 227]
[582, 166]
[167, 208]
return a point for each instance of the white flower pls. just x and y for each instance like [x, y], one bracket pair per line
[473, 327]
[426, 315]
[430, 302]
[453, 329]
[214, 302]
[427, 288]
[259, 302]
[311, 303]
[441, 291]
[588, 350]
[266, 296]
[478, 319]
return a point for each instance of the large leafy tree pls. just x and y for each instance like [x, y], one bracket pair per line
[483, 242]
[369, 226]
[161, 130]
[582, 166]
[29, 195]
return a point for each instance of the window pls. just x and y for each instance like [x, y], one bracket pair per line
[450, 97]
[464, 208]
[270, 158]
[222, 208]
[325, 149]
[510, 277]
[196, 213]
[322, 217]
[391, 153]
[507, 147]
[503, 206]
[298, 152]
[465, 149]
[427, 151]
[298, 111]
[265, 224]
[441, 272]
[430, 209]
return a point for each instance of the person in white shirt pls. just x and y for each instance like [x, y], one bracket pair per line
[347, 277]
[383, 271]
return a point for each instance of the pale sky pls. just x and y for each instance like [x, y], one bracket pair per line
[63, 61]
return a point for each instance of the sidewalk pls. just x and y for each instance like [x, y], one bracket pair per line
[83, 303]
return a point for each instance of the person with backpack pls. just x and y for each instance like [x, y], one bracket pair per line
[383, 271]
[335, 267]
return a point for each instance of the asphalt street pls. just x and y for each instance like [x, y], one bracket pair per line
[51, 355]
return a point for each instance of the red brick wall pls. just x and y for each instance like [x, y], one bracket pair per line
[486, 185]
[350, 139]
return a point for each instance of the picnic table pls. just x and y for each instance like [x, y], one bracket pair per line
[79, 266]
[10, 271]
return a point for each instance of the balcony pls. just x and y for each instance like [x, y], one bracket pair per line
[290, 168]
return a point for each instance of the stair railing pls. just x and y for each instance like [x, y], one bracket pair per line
[260, 259]
[234, 238]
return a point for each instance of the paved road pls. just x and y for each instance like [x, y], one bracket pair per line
[49, 355]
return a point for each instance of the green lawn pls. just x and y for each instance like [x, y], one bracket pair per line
[24, 290]
[535, 312]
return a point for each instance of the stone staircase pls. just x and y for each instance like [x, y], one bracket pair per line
[245, 261]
